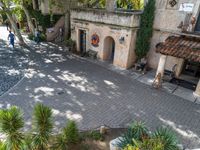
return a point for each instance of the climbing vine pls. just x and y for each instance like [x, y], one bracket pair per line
[146, 30]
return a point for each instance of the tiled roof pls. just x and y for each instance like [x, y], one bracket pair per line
[182, 47]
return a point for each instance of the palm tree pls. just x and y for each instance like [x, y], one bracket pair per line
[11, 122]
[42, 126]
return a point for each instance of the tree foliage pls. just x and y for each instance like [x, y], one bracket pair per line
[11, 122]
[125, 4]
[146, 30]
[130, 4]
[42, 126]
[7, 9]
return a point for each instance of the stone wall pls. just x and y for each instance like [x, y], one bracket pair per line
[117, 18]
[167, 19]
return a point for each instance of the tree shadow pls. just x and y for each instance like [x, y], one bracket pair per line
[93, 96]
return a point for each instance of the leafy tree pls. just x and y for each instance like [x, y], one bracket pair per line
[93, 3]
[130, 4]
[11, 122]
[146, 30]
[42, 126]
[23, 4]
[6, 8]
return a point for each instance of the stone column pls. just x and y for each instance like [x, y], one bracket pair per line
[197, 92]
[161, 65]
[110, 5]
[180, 65]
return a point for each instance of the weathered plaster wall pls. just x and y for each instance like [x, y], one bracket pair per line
[166, 22]
[123, 19]
[107, 25]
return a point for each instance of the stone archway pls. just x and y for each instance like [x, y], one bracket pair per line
[109, 49]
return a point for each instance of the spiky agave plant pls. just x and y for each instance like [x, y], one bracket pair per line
[69, 136]
[42, 126]
[136, 132]
[139, 130]
[11, 123]
[167, 137]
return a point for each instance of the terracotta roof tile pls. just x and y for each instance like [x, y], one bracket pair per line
[181, 47]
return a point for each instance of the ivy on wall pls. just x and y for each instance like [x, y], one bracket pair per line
[44, 20]
[146, 30]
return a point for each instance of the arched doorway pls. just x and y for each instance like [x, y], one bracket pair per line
[109, 49]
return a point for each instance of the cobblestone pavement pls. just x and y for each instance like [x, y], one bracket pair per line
[13, 63]
[93, 95]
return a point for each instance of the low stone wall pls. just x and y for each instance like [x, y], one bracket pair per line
[117, 18]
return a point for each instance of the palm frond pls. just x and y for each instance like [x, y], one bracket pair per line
[42, 126]
[11, 122]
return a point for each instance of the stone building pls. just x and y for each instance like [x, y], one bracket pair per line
[175, 43]
[109, 33]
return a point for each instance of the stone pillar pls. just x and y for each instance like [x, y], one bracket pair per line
[161, 65]
[197, 92]
[179, 68]
[110, 5]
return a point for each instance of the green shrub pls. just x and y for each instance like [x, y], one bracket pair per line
[70, 42]
[127, 139]
[60, 143]
[44, 20]
[69, 136]
[42, 37]
[11, 122]
[152, 144]
[138, 137]
[144, 34]
[71, 133]
[2, 146]
[167, 137]
[42, 126]
[139, 130]
[94, 135]
[31, 36]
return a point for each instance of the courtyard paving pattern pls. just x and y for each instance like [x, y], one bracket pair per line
[13, 63]
[94, 95]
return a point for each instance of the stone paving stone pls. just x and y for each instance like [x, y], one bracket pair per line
[147, 79]
[169, 87]
[184, 93]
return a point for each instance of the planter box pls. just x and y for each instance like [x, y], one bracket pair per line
[113, 144]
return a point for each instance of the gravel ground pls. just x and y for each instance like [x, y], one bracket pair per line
[13, 63]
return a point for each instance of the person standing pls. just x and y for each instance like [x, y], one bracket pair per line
[7, 25]
[37, 36]
[11, 38]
